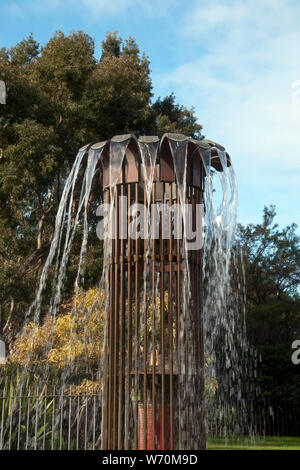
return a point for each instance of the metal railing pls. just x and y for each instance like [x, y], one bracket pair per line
[50, 420]
[265, 420]
[59, 419]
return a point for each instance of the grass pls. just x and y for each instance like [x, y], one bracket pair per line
[260, 443]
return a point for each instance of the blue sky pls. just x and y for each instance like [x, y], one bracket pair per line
[236, 62]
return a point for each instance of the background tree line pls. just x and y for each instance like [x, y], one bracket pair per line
[272, 270]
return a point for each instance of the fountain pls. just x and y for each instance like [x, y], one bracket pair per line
[166, 287]
[153, 378]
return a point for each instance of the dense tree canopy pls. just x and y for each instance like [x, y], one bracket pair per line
[272, 258]
[272, 269]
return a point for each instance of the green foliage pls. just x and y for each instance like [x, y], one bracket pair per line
[276, 323]
[4, 56]
[24, 51]
[279, 377]
[171, 117]
[111, 46]
[120, 90]
[272, 260]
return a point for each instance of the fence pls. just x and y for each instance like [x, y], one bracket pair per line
[50, 420]
[265, 420]
[62, 420]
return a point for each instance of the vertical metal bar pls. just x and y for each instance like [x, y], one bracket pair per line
[187, 347]
[94, 420]
[136, 372]
[105, 401]
[27, 422]
[10, 417]
[175, 349]
[129, 320]
[111, 352]
[170, 318]
[78, 420]
[19, 419]
[197, 313]
[154, 352]
[121, 324]
[45, 415]
[201, 349]
[86, 420]
[61, 417]
[2, 418]
[116, 323]
[195, 335]
[191, 350]
[69, 419]
[162, 319]
[53, 419]
[145, 323]
[178, 315]
[198, 331]
[36, 417]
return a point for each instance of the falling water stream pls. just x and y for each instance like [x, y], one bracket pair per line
[226, 345]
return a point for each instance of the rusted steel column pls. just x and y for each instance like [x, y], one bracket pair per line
[153, 390]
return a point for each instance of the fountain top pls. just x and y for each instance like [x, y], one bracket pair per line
[203, 144]
[203, 153]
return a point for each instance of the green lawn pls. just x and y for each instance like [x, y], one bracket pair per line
[262, 443]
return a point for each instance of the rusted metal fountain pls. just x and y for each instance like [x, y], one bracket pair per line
[153, 367]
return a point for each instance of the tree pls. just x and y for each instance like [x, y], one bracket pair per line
[24, 51]
[73, 336]
[171, 117]
[111, 46]
[119, 91]
[271, 260]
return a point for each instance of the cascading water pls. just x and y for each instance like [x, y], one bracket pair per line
[187, 366]
[230, 406]
[225, 342]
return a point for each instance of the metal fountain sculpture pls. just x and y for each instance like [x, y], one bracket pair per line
[153, 360]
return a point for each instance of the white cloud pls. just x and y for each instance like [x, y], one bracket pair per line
[210, 16]
[241, 87]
